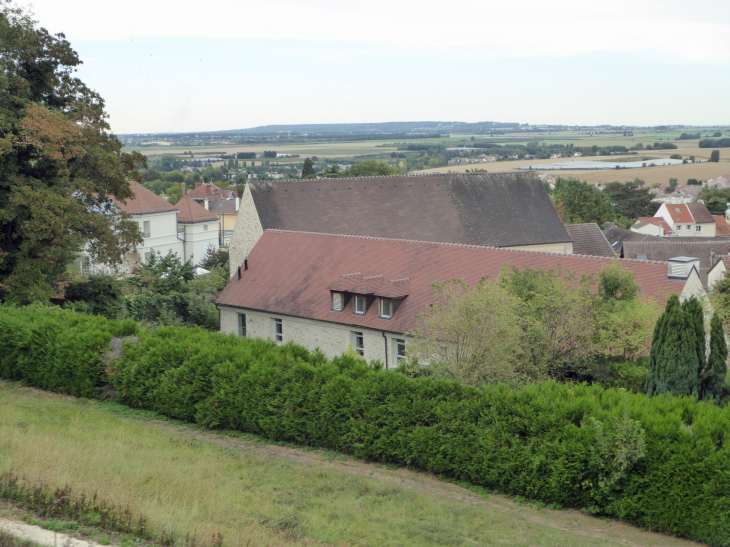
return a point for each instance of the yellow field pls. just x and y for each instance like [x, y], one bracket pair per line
[699, 171]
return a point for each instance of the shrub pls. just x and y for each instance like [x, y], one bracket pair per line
[660, 463]
[100, 295]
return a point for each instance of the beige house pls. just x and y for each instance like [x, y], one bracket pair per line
[688, 219]
[333, 292]
[505, 210]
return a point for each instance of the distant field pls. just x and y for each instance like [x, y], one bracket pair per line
[188, 480]
[700, 171]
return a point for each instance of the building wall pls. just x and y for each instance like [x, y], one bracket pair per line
[247, 232]
[565, 248]
[163, 235]
[331, 338]
[716, 274]
[199, 236]
[649, 229]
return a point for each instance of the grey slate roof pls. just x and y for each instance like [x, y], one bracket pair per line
[495, 209]
[667, 248]
[700, 213]
[617, 236]
[588, 239]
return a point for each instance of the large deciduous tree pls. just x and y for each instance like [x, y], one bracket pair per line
[59, 164]
[632, 199]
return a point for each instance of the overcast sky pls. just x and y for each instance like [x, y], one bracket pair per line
[184, 65]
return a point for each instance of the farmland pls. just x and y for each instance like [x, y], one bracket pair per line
[186, 480]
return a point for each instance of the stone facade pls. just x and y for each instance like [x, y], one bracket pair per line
[246, 233]
[331, 338]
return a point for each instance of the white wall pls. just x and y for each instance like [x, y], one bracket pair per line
[333, 339]
[649, 229]
[163, 234]
[716, 274]
[199, 236]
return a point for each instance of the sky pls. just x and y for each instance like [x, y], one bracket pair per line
[183, 65]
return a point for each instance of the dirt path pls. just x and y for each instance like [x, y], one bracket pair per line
[36, 534]
[567, 520]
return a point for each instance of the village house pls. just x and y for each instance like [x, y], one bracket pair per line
[197, 228]
[588, 239]
[654, 226]
[495, 209]
[334, 292]
[688, 219]
[164, 228]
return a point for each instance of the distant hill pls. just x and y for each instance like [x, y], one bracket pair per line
[374, 128]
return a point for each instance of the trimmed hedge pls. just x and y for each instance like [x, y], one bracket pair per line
[568, 444]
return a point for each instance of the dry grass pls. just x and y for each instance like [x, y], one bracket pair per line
[187, 481]
[699, 171]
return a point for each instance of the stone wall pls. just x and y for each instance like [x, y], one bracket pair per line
[247, 232]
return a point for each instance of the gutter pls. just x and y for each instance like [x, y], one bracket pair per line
[385, 340]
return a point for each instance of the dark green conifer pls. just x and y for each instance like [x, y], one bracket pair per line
[674, 363]
[716, 369]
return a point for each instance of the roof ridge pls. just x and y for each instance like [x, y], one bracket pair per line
[465, 246]
[405, 175]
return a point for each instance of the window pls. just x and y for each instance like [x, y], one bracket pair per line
[689, 227]
[677, 210]
[400, 350]
[336, 301]
[359, 343]
[641, 257]
[242, 325]
[278, 330]
[698, 228]
[85, 266]
[146, 228]
[359, 304]
[205, 227]
[386, 308]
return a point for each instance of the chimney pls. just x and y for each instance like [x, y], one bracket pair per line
[245, 264]
[238, 203]
[182, 186]
[206, 204]
[713, 258]
[239, 272]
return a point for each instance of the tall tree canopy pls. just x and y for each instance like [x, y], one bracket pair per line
[632, 199]
[59, 164]
[578, 202]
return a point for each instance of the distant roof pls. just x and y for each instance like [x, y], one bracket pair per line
[224, 206]
[721, 226]
[495, 209]
[209, 190]
[588, 239]
[667, 248]
[292, 273]
[144, 202]
[191, 211]
[617, 236]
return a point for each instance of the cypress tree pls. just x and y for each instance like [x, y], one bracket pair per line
[674, 363]
[716, 369]
[696, 317]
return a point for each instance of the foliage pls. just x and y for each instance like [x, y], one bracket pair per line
[674, 362]
[616, 283]
[714, 143]
[715, 373]
[472, 335]
[100, 295]
[579, 202]
[59, 165]
[370, 168]
[631, 200]
[538, 441]
[214, 257]
[308, 168]
[673, 183]
[714, 156]
[164, 274]
[174, 308]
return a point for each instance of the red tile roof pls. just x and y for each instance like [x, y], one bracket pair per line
[679, 213]
[209, 190]
[144, 202]
[191, 211]
[292, 273]
[722, 228]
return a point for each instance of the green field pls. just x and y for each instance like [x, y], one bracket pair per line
[186, 480]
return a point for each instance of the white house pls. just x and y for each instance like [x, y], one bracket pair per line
[688, 219]
[162, 232]
[197, 228]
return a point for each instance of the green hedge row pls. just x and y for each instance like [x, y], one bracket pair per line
[659, 463]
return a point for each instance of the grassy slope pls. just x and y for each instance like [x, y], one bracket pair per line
[186, 480]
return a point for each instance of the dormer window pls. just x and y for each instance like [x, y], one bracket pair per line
[337, 300]
[359, 304]
[386, 308]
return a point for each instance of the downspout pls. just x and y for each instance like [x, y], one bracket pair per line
[385, 339]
